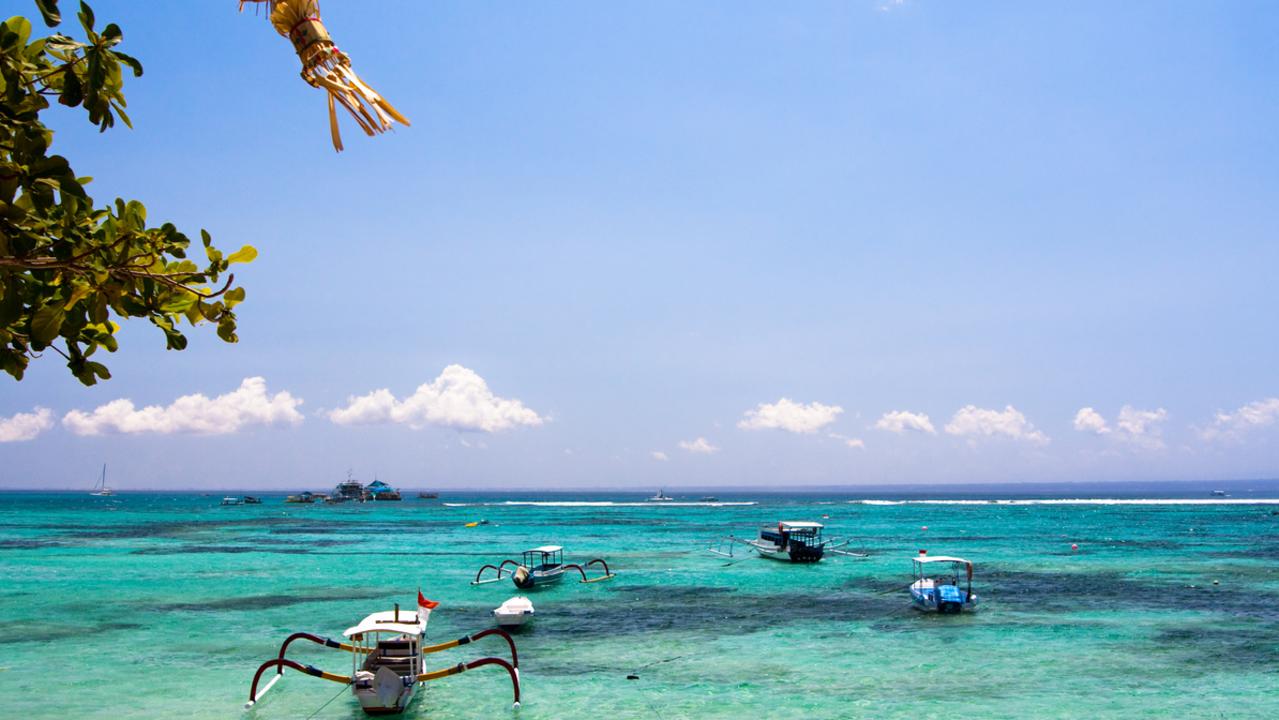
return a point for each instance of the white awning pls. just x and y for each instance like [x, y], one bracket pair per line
[800, 525]
[385, 622]
[546, 549]
[939, 558]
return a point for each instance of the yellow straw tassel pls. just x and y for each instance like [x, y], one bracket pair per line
[326, 67]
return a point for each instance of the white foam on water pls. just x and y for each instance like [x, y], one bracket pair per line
[1081, 501]
[599, 503]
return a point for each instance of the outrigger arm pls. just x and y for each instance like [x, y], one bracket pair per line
[606, 576]
[835, 547]
[346, 679]
[500, 568]
[281, 662]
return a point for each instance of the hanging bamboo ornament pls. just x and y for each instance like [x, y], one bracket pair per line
[326, 67]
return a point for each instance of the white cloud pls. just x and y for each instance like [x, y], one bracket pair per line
[459, 399]
[850, 442]
[1089, 420]
[899, 421]
[973, 421]
[790, 416]
[700, 446]
[1253, 415]
[247, 405]
[1141, 427]
[25, 426]
[659, 456]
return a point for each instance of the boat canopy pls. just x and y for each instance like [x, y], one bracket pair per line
[385, 622]
[546, 549]
[939, 558]
[799, 525]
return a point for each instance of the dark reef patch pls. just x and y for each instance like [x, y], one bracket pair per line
[265, 602]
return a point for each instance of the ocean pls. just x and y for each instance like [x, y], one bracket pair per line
[163, 605]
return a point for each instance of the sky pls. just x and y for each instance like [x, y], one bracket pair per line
[723, 243]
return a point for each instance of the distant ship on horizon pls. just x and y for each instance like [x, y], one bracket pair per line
[101, 489]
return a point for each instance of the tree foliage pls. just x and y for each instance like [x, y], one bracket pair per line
[67, 266]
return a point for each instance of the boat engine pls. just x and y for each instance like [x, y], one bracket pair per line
[523, 579]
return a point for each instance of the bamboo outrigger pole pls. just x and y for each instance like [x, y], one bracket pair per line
[326, 67]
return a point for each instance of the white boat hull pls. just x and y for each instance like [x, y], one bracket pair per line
[514, 612]
[925, 598]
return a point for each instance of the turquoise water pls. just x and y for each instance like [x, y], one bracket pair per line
[158, 606]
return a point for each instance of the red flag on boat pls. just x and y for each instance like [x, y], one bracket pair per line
[422, 602]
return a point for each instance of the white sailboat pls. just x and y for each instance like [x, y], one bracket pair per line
[101, 489]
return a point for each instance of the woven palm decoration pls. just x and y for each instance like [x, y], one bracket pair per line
[326, 67]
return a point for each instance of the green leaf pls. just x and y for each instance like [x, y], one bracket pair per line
[86, 17]
[49, 10]
[131, 62]
[46, 323]
[72, 91]
[21, 27]
[246, 254]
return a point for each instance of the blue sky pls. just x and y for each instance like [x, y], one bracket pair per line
[641, 221]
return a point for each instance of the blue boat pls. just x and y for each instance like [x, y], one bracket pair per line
[942, 584]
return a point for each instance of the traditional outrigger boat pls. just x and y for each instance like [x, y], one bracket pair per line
[797, 541]
[936, 587]
[387, 659]
[539, 567]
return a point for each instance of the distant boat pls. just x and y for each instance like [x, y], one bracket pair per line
[378, 490]
[101, 489]
[251, 500]
[709, 498]
[428, 496]
[306, 497]
[232, 500]
[1220, 493]
[946, 591]
[351, 490]
[661, 496]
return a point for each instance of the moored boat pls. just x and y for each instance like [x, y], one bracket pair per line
[539, 567]
[232, 500]
[942, 584]
[387, 659]
[661, 496]
[797, 541]
[304, 498]
[380, 492]
[514, 612]
[350, 490]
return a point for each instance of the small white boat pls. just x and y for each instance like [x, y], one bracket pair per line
[514, 612]
[938, 586]
[388, 658]
[232, 500]
[101, 489]
[661, 496]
